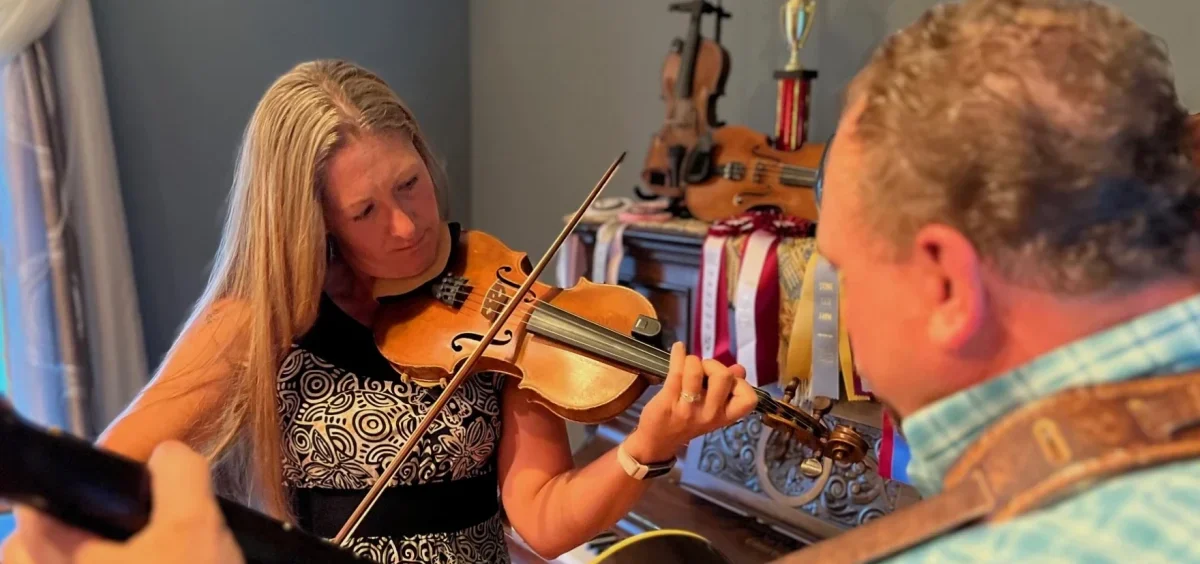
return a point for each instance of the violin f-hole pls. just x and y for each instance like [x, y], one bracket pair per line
[530, 296]
[497, 340]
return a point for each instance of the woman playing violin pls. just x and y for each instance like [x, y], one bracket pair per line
[276, 376]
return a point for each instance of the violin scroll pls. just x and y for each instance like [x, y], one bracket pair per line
[846, 445]
[841, 443]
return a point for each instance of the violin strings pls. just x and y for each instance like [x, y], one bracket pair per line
[765, 164]
[473, 303]
[477, 298]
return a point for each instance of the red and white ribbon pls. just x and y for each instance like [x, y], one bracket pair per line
[756, 294]
[756, 309]
[608, 252]
[712, 310]
[572, 262]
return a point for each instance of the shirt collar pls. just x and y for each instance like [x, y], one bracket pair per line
[1163, 341]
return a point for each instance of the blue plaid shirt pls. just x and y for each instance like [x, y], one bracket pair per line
[1146, 516]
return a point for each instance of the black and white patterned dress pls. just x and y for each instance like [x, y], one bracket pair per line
[345, 414]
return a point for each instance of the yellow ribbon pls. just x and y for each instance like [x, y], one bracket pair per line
[799, 353]
[844, 353]
[798, 365]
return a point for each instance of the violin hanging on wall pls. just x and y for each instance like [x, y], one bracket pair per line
[748, 172]
[693, 77]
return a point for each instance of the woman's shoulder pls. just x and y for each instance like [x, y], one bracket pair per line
[217, 327]
[226, 314]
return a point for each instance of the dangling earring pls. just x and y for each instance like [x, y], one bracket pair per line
[330, 250]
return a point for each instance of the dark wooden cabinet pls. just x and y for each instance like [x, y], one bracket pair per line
[752, 509]
[664, 267]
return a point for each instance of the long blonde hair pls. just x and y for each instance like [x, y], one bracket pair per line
[272, 257]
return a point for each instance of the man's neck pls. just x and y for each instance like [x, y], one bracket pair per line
[1032, 323]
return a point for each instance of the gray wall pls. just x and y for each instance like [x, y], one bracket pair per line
[559, 88]
[538, 99]
[183, 78]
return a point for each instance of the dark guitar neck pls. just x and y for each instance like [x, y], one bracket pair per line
[109, 495]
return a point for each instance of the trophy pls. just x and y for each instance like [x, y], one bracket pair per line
[797, 21]
[791, 115]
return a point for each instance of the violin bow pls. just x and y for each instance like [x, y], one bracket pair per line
[464, 370]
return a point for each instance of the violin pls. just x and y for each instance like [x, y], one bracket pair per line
[583, 352]
[693, 77]
[749, 173]
[109, 495]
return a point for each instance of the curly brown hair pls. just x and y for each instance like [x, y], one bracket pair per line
[1048, 132]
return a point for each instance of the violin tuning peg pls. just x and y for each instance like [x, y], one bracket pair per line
[821, 406]
[789, 391]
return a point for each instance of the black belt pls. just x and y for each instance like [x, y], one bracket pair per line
[419, 509]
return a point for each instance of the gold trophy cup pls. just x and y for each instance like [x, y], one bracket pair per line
[797, 18]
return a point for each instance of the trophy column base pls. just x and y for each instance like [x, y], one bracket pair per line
[791, 110]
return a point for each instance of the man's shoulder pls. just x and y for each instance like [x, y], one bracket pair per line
[1147, 516]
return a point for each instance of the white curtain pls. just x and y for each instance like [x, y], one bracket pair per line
[22, 22]
[90, 181]
[75, 348]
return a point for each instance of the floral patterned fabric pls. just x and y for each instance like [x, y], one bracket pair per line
[343, 421]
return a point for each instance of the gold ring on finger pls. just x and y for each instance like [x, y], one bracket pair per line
[690, 397]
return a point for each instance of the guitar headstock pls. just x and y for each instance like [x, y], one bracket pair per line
[841, 443]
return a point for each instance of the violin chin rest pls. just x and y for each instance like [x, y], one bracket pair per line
[392, 287]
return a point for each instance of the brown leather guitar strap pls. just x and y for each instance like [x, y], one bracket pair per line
[1041, 453]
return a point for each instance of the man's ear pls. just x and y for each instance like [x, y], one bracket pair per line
[951, 285]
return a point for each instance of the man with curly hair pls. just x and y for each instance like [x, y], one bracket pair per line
[1011, 202]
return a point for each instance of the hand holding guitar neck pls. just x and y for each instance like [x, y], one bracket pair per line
[185, 524]
[113, 498]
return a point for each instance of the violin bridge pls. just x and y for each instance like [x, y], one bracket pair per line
[452, 290]
[494, 302]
